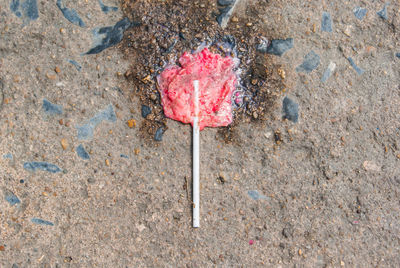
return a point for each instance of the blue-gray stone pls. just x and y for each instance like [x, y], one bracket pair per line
[398, 55]
[76, 64]
[8, 156]
[106, 37]
[355, 67]
[159, 134]
[277, 47]
[383, 13]
[51, 109]
[146, 110]
[105, 8]
[42, 222]
[255, 195]
[326, 22]
[225, 2]
[310, 63]
[45, 166]
[124, 156]
[290, 110]
[11, 198]
[70, 14]
[25, 9]
[86, 130]
[360, 12]
[81, 152]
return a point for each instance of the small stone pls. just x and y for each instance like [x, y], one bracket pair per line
[137, 151]
[282, 73]
[153, 97]
[276, 47]
[398, 55]
[51, 76]
[355, 67]
[326, 22]
[50, 108]
[249, 24]
[61, 122]
[234, 19]
[311, 62]
[146, 110]
[2, 248]
[159, 134]
[62, 30]
[255, 195]
[300, 252]
[255, 115]
[42, 222]
[360, 12]
[383, 13]
[11, 198]
[254, 82]
[290, 110]
[371, 166]
[131, 123]
[57, 70]
[64, 144]
[82, 153]
[107, 162]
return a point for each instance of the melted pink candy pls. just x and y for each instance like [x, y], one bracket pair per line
[216, 84]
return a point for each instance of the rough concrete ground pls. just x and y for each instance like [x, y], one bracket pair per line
[330, 181]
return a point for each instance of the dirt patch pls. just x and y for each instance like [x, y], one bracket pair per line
[170, 28]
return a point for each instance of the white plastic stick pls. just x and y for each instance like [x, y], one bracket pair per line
[196, 156]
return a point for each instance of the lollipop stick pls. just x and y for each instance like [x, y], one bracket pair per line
[196, 153]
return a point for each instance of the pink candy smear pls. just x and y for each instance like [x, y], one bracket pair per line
[217, 82]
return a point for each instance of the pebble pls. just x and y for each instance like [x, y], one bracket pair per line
[276, 47]
[57, 69]
[51, 76]
[131, 123]
[355, 67]
[8, 156]
[159, 134]
[27, 10]
[70, 14]
[64, 144]
[106, 37]
[225, 2]
[107, 162]
[326, 22]
[146, 110]
[310, 63]
[383, 13]
[371, 166]
[44, 166]
[398, 55]
[85, 131]
[255, 195]
[290, 110]
[360, 12]
[82, 153]
[105, 8]
[328, 72]
[41, 222]
[76, 64]
[11, 198]
[124, 156]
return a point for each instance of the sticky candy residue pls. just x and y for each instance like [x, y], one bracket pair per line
[217, 81]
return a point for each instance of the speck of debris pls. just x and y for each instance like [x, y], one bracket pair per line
[8, 156]
[328, 72]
